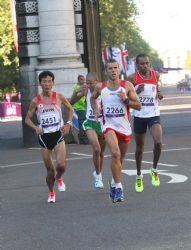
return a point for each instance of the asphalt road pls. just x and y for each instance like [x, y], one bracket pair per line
[85, 219]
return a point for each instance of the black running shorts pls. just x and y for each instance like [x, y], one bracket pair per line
[50, 140]
[140, 124]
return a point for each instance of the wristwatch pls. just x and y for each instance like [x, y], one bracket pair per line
[69, 122]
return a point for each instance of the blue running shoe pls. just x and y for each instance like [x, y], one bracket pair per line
[112, 191]
[118, 197]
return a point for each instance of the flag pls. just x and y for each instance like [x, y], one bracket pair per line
[124, 59]
[106, 54]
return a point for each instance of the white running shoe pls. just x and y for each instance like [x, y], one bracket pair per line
[98, 183]
[61, 185]
[51, 197]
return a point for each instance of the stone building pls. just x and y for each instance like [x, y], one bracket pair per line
[58, 35]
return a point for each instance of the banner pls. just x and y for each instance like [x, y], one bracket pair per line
[10, 111]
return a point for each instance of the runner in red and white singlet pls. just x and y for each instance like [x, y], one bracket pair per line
[50, 129]
[145, 81]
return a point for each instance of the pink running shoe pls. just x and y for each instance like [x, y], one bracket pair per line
[61, 185]
[51, 197]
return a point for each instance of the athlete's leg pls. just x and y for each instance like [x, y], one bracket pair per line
[102, 145]
[112, 142]
[60, 153]
[123, 149]
[140, 141]
[93, 139]
[47, 158]
[156, 132]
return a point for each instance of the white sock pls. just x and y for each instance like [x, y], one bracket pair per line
[154, 169]
[139, 176]
[112, 182]
[118, 185]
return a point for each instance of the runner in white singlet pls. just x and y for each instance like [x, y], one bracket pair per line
[93, 131]
[116, 98]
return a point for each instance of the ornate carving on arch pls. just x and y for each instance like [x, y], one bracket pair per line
[29, 36]
[27, 7]
[79, 34]
[77, 5]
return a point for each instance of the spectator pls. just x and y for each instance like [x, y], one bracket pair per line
[79, 103]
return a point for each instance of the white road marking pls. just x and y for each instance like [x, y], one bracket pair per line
[164, 150]
[88, 156]
[80, 154]
[175, 112]
[175, 178]
[160, 164]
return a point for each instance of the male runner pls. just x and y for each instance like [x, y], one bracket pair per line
[116, 98]
[145, 81]
[50, 130]
[93, 131]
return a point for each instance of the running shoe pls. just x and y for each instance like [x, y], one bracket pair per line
[111, 191]
[98, 183]
[118, 197]
[61, 185]
[139, 184]
[51, 197]
[155, 178]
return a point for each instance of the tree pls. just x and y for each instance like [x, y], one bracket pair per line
[117, 19]
[9, 63]
[118, 25]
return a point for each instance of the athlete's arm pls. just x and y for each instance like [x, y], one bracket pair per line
[76, 96]
[30, 114]
[140, 87]
[70, 109]
[94, 96]
[159, 94]
[132, 98]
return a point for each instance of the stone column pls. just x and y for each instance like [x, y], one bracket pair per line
[28, 38]
[58, 51]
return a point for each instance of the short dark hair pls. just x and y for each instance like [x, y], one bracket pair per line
[79, 76]
[110, 61]
[44, 74]
[140, 56]
[92, 75]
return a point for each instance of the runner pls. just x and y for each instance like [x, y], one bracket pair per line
[50, 130]
[145, 81]
[116, 98]
[93, 131]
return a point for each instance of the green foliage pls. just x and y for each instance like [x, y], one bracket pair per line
[9, 63]
[117, 18]
[118, 25]
[188, 60]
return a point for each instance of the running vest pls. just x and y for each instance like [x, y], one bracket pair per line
[148, 97]
[115, 112]
[49, 115]
[89, 112]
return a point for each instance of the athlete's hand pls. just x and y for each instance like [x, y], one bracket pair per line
[140, 88]
[122, 95]
[38, 130]
[96, 116]
[65, 129]
[84, 89]
[159, 95]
